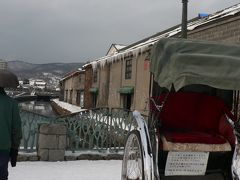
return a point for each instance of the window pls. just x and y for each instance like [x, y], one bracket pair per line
[94, 100]
[128, 69]
[66, 96]
[127, 101]
[80, 98]
[80, 78]
[71, 96]
[95, 76]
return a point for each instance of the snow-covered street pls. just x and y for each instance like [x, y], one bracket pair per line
[67, 170]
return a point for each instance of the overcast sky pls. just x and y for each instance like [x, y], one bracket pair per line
[41, 31]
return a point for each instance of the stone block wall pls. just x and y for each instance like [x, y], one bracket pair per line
[226, 30]
[52, 142]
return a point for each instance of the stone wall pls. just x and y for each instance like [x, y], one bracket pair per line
[51, 146]
[225, 30]
[52, 142]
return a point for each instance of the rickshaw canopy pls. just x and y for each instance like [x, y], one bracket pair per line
[182, 62]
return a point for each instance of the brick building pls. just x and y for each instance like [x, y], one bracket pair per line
[122, 79]
[97, 80]
[226, 29]
[89, 91]
[133, 93]
[72, 87]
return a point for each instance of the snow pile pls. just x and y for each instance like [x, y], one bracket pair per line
[119, 46]
[67, 106]
[92, 152]
[67, 170]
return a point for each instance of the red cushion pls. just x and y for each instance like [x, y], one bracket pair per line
[189, 117]
[194, 137]
[226, 130]
[191, 111]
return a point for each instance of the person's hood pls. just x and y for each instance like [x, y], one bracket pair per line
[8, 79]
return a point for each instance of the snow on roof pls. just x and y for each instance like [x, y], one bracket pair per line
[70, 74]
[70, 107]
[145, 45]
[81, 70]
[114, 48]
[119, 46]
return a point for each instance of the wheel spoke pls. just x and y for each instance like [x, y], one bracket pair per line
[132, 162]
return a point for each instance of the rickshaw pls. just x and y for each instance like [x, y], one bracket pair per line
[192, 132]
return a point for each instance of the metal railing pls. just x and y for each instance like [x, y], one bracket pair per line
[98, 129]
[30, 122]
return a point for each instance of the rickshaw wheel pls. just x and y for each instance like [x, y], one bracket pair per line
[133, 166]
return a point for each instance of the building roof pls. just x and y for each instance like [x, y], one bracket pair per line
[71, 74]
[116, 48]
[145, 44]
[119, 46]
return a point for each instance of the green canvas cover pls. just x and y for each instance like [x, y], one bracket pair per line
[181, 62]
[93, 90]
[126, 90]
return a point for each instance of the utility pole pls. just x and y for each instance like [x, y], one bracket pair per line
[184, 18]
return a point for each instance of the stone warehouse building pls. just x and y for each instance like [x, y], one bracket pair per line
[72, 87]
[97, 80]
[121, 79]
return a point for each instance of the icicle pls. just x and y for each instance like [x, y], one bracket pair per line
[122, 57]
[94, 65]
[135, 52]
[103, 63]
[111, 60]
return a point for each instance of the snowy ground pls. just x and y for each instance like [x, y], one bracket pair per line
[67, 170]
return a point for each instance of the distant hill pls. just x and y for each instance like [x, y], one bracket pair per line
[51, 73]
[28, 70]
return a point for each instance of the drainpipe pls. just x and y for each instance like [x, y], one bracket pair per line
[135, 88]
[119, 95]
[184, 18]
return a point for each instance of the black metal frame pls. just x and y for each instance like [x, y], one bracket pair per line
[160, 156]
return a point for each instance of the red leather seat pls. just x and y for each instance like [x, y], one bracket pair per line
[188, 117]
[194, 137]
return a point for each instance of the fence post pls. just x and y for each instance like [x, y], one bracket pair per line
[52, 142]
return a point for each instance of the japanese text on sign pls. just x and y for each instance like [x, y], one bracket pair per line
[186, 163]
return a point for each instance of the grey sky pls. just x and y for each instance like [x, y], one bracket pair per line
[41, 31]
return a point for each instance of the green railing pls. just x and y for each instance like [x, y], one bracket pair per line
[97, 129]
[30, 123]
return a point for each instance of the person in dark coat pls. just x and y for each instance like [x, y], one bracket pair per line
[10, 125]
